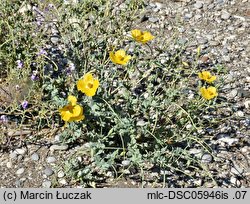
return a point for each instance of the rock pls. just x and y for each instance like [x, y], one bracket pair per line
[20, 171]
[225, 15]
[48, 171]
[188, 16]
[214, 43]
[21, 151]
[237, 170]
[58, 147]
[46, 184]
[51, 159]
[60, 174]
[125, 163]
[198, 5]
[19, 184]
[206, 158]
[232, 94]
[13, 155]
[235, 182]
[229, 141]
[35, 157]
[9, 165]
[239, 114]
[153, 19]
[54, 39]
[63, 181]
[243, 93]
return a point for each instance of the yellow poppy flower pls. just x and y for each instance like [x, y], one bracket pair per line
[88, 85]
[208, 93]
[119, 57]
[72, 111]
[206, 76]
[142, 36]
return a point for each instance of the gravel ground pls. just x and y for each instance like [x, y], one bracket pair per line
[221, 28]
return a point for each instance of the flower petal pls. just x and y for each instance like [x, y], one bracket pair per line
[72, 99]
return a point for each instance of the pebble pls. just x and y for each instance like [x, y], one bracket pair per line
[18, 184]
[20, 171]
[58, 147]
[46, 184]
[60, 174]
[225, 15]
[20, 151]
[206, 158]
[153, 19]
[229, 141]
[188, 16]
[9, 165]
[13, 155]
[63, 181]
[198, 5]
[237, 170]
[239, 114]
[35, 157]
[232, 94]
[48, 171]
[54, 39]
[235, 181]
[51, 159]
[125, 163]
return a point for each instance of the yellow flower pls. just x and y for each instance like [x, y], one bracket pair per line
[206, 76]
[142, 36]
[72, 111]
[119, 57]
[88, 85]
[208, 93]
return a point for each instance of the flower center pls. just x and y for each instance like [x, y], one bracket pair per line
[90, 85]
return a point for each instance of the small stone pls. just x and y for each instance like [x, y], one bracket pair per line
[58, 147]
[125, 163]
[60, 174]
[198, 5]
[237, 170]
[140, 123]
[9, 165]
[206, 158]
[54, 39]
[225, 15]
[243, 93]
[63, 181]
[51, 159]
[188, 16]
[18, 184]
[35, 157]
[20, 171]
[214, 43]
[202, 41]
[48, 171]
[46, 184]
[235, 181]
[20, 151]
[239, 114]
[13, 155]
[229, 141]
[153, 19]
[233, 94]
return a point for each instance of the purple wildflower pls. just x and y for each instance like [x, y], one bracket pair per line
[70, 68]
[42, 52]
[3, 119]
[34, 76]
[25, 104]
[19, 64]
